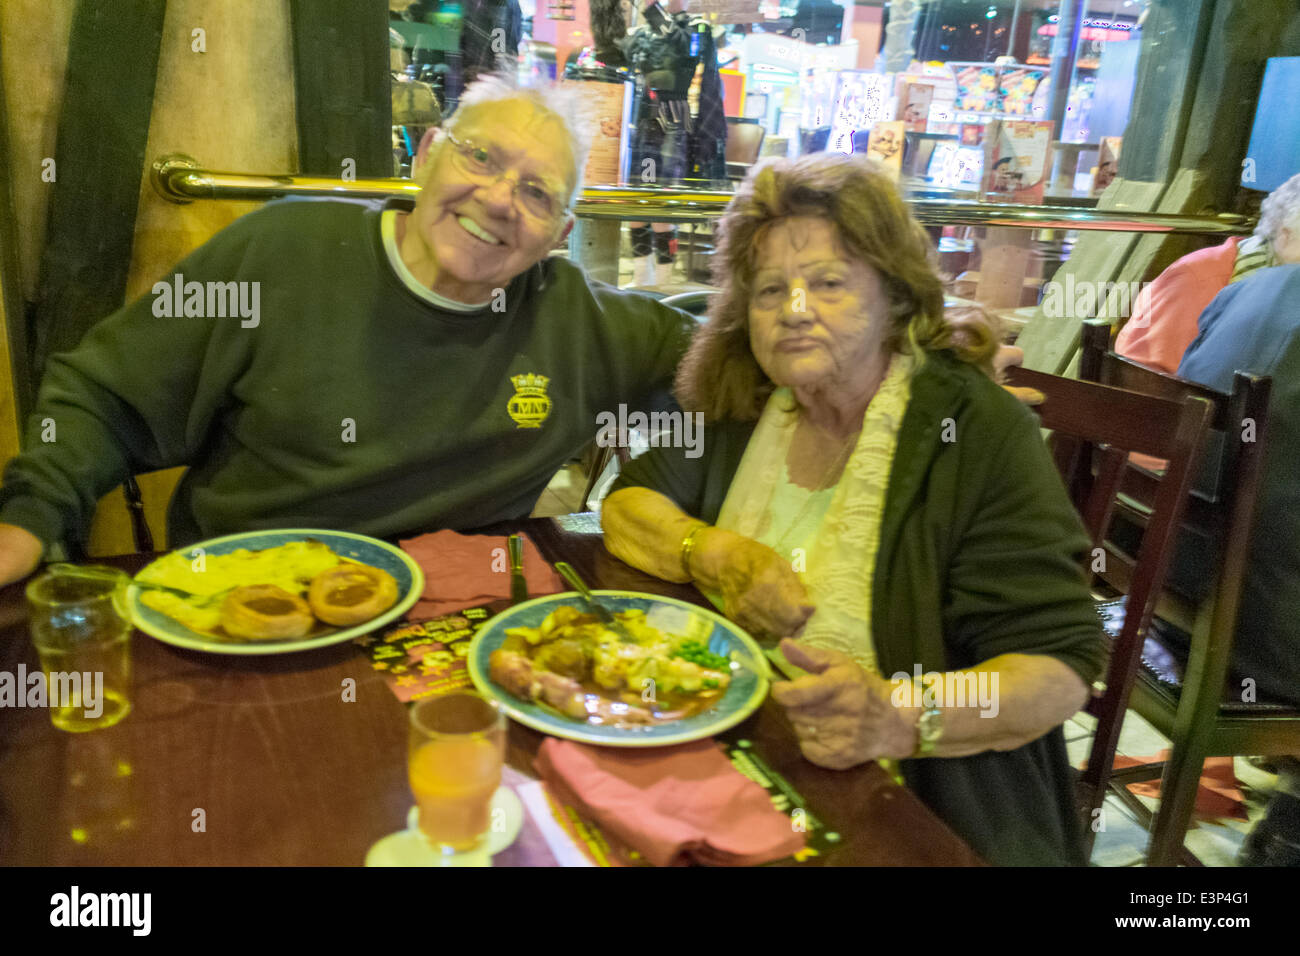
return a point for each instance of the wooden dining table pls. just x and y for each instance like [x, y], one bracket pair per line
[266, 760]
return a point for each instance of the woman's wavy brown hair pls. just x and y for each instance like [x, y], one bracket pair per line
[719, 376]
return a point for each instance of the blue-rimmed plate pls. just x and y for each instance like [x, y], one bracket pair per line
[750, 674]
[357, 547]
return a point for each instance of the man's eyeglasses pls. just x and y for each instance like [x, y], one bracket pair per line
[531, 196]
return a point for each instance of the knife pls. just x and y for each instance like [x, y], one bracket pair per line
[602, 613]
[518, 584]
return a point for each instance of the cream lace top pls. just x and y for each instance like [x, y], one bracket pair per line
[839, 558]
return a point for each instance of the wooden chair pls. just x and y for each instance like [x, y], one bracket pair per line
[1095, 428]
[1191, 709]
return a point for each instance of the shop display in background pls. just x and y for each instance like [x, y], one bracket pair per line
[665, 55]
[605, 105]
[1107, 164]
[862, 100]
[1016, 87]
[978, 89]
[885, 145]
[788, 81]
[1017, 159]
[725, 11]
[914, 105]
[1007, 89]
[955, 166]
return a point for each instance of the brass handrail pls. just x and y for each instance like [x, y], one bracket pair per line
[180, 179]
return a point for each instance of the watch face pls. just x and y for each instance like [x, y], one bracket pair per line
[930, 726]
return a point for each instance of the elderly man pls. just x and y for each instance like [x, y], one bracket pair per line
[390, 370]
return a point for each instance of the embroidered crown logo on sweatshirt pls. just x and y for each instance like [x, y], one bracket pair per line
[529, 406]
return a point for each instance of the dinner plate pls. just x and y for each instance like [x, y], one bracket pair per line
[750, 674]
[358, 547]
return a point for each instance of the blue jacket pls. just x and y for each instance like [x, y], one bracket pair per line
[1254, 326]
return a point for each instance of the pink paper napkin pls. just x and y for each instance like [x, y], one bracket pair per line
[674, 805]
[468, 570]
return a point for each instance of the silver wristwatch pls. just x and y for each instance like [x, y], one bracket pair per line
[929, 728]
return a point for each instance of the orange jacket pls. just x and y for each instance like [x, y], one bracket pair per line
[1166, 311]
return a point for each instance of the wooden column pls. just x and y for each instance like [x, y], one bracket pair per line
[340, 61]
[227, 101]
[15, 388]
[99, 155]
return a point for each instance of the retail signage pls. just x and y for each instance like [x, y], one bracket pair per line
[725, 11]
[1017, 157]
[606, 104]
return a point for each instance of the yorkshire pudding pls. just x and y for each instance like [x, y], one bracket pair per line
[351, 594]
[264, 612]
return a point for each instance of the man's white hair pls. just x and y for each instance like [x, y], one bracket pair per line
[561, 103]
[1280, 208]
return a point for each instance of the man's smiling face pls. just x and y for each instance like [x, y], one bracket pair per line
[467, 235]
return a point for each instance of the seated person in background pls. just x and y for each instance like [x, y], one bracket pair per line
[1164, 316]
[1254, 326]
[405, 368]
[865, 486]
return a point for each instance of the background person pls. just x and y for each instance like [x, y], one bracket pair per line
[866, 487]
[1165, 313]
[1254, 326]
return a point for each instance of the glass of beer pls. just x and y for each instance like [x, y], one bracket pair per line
[82, 631]
[457, 749]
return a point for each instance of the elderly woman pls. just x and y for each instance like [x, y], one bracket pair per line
[865, 486]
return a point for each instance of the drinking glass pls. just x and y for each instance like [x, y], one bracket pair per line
[82, 631]
[457, 749]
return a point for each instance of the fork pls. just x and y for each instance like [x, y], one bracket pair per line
[602, 613]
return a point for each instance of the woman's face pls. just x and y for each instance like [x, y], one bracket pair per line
[817, 318]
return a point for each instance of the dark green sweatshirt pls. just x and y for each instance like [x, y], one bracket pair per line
[352, 404]
[978, 557]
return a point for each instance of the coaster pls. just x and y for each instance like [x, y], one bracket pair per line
[410, 848]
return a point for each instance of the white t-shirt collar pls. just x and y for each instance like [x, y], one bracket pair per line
[388, 229]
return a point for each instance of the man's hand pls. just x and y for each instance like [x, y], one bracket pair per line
[842, 715]
[20, 553]
[760, 590]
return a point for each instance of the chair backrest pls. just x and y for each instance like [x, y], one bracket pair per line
[1224, 517]
[1095, 428]
[694, 301]
[1221, 507]
[744, 140]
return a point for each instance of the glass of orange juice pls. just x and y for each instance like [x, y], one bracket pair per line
[457, 749]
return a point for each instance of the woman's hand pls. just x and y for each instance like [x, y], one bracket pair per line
[1007, 356]
[842, 715]
[20, 553]
[760, 590]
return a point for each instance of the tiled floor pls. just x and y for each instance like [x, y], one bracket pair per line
[564, 494]
[1123, 843]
